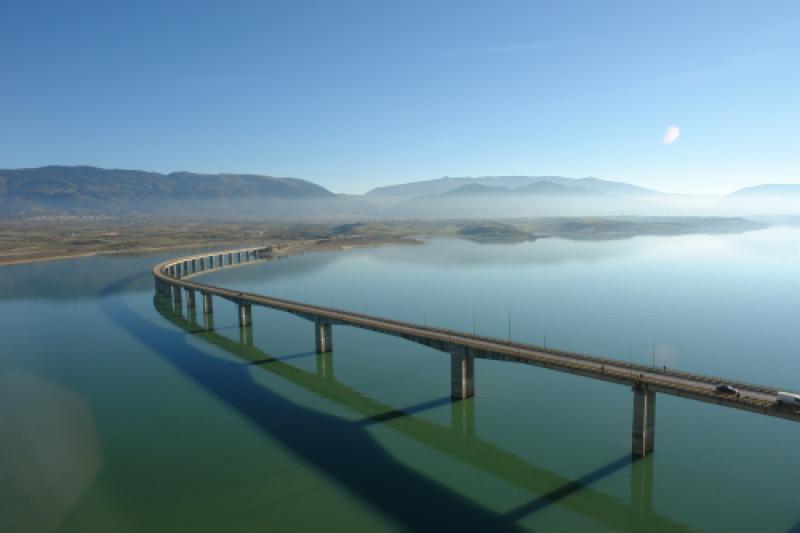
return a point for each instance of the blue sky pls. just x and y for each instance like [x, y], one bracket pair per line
[357, 94]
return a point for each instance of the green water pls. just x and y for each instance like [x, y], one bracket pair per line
[119, 413]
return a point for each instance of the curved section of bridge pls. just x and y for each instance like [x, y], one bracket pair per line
[177, 276]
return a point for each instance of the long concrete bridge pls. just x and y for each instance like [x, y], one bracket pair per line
[175, 277]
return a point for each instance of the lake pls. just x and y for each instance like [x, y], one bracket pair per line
[120, 413]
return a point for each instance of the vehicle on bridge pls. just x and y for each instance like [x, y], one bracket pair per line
[724, 388]
[788, 398]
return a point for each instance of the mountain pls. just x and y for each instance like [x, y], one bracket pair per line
[768, 190]
[92, 190]
[538, 188]
[91, 183]
[474, 189]
[554, 189]
[768, 199]
[540, 198]
[417, 189]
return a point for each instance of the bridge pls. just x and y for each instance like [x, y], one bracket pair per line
[175, 277]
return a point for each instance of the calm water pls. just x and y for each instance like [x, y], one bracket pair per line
[118, 413]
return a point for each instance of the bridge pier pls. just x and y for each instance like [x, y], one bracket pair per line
[323, 336]
[462, 418]
[245, 315]
[208, 303]
[644, 420]
[192, 316]
[325, 365]
[238, 257]
[176, 295]
[194, 266]
[208, 321]
[221, 261]
[462, 374]
[246, 336]
[641, 485]
[230, 258]
[190, 301]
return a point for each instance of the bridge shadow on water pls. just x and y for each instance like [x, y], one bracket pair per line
[347, 452]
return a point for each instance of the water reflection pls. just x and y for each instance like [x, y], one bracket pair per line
[344, 451]
[458, 441]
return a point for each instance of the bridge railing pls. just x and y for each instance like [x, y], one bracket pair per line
[634, 367]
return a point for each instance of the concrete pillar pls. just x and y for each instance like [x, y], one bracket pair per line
[325, 365]
[192, 312]
[245, 315]
[246, 336]
[641, 485]
[208, 303]
[644, 420]
[194, 266]
[221, 261]
[462, 418]
[178, 271]
[247, 256]
[323, 336]
[190, 301]
[208, 321]
[186, 268]
[462, 374]
[176, 295]
[210, 262]
[238, 257]
[230, 259]
[171, 271]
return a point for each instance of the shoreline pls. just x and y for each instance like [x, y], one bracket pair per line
[39, 244]
[286, 248]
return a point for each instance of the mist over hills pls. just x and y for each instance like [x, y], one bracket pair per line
[768, 190]
[416, 189]
[85, 191]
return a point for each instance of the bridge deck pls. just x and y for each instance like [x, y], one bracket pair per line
[755, 398]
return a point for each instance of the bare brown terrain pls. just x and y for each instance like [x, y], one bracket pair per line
[23, 243]
[27, 241]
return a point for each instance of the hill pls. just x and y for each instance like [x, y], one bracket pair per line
[417, 189]
[775, 199]
[780, 189]
[541, 198]
[91, 190]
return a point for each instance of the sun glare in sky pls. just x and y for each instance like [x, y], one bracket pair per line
[672, 134]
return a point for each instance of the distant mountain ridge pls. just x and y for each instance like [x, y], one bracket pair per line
[87, 191]
[92, 190]
[546, 188]
[85, 182]
[768, 189]
[418, 189]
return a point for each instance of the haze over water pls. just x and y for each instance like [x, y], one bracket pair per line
[122, 415]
